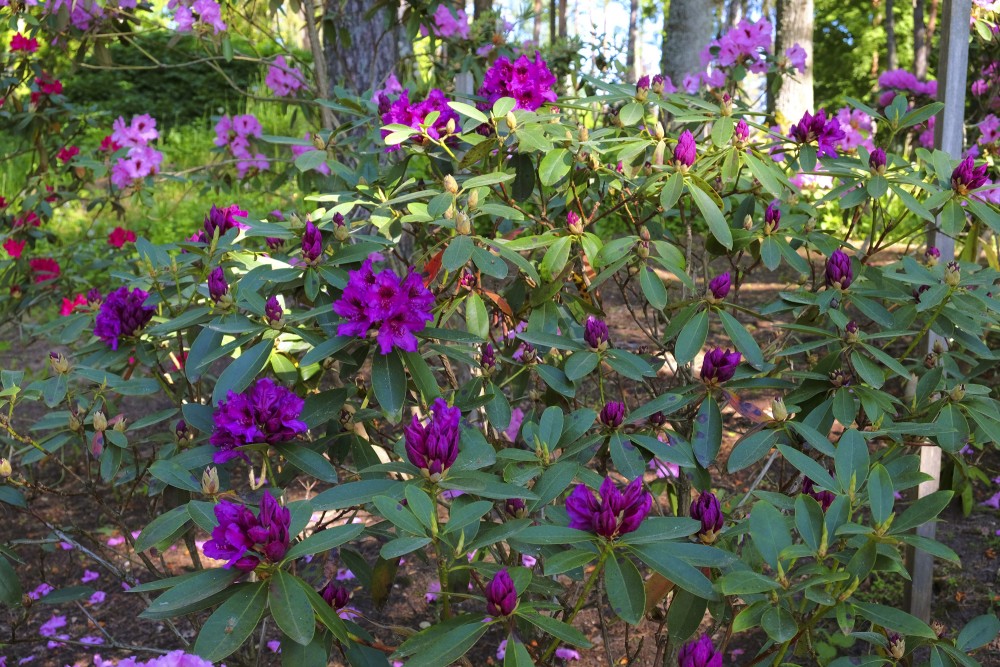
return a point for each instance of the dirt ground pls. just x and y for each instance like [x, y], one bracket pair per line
[961, 593]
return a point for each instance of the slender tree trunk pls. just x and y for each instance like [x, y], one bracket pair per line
[562, 18]
[688, 28]
[892, 60]
[537, 34]
[732, 14]
[794, 26]
[633, 40]
[923, 33]
[482, 7]
[553, 13]
[360, 52]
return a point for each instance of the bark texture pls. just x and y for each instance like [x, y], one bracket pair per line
[633, 41]
[794, 97]
[360, 51]
[890, 35]
[482, 7]
[689, 26]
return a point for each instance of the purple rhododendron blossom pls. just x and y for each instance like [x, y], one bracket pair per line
[720, 365]
[817, 128]
[529, 82]
[412, 114]
[615, 513]
[433, 447]
[122, 314]
[699, 653]
[266, 412]
[396, 307]
[243, 539]
[283, 79]
[501, 597]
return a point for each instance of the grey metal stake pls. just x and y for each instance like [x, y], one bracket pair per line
[953, 65]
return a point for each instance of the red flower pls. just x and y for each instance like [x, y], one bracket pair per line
[109, 145]
[29, 218]
[47, 85]
[69, 306]
[45, 268]
[3, 202]
[67, 154]
[119, 236]
[21, 43]
[13, 247]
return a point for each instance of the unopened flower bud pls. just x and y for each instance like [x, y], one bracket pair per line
[939, 346]
[897, 645]
[462, 223]
[656, 84]
[5, 469]
[74, 422]
[778, 409]
[748, 222]
[341, 233]
[644, 234]
[851, 332]
[473, 199]
[952, 274]
[210, 481]
[876, 161]
[449, 128]
[450, 184]
[932, 255]
[119, 423]
[574, 223]
[659, 152]
[584, 134]
[511, 120]
[318, 143]
[642, 250]
[257, 482]
[450, 213]
[957, 393]
[930, 360]
[100, 421]
[840, 378]
[658, 130]
[59, 363]
[595, 161]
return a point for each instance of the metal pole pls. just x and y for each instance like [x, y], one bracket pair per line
[953, 64]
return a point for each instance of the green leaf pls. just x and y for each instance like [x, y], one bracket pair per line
[10, 585]
[978, 632]
[325, 540]
[745, 582]
[779, 624]
[353, 494]
[722, 131]
[171, 473]
[851, 459]
[470, 111]
[653, 288]
[713, 216]
[467, 515]
[477, 320]
[389, 383]
[555, 628]
[664, 561]
[548, 534]
[554, 166]
[290, 608]
[232, 623]
[954, 432]
[241, 372]
[162, 528]
[769, 532]
[684, 615]
[567, 560]
[324, 612]
[451, 646]
[400, 515]
[489, 263]
[631, 113]
[751, 448]
[517, 654]
[458, 253]
[556, 379]
[893, 619]
[580, 364]
[807, 466]
[625, 589]
[524, 179]
[627, 459]
[672, 191]
[867, 369]
[193, 589]
[309, 462]
[691, 338]
[809, 520]
[706, 438]
[922, 511]
[743, 340]
[555, 258]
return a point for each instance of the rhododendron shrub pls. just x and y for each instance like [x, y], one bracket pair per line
[489, 356]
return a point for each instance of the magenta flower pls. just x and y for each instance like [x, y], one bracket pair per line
[529, 82]
[217, 285]
[515, 507]
[283, 79]
[266, 412]
[612, 515]
[501, 597]
[816, 128]
[796, 57]
[686, 151]
[741, 133]
[967, 177]
[244, 540]
[403, 112]
[707, 510]
[719, 365]
[433, 447]
[825, 498]
[272, 309]
[122, 314]
[642, 85]
[612, 414]
[220, 220]
[719, 285]
[699, 653]
[335, 596]
[20, 43]
[312, 243]
[487, 357]
[596, 334]
[397, 308]
[839, 273]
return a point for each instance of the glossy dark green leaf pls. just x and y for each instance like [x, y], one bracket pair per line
[290, 608]
[232, 623]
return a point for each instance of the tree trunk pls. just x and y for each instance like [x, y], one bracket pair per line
[360, 52]
[892, 59]
[688, 29]
[537, 34]
[482, 7]
[562, 18]
[633, 41]
[553, 13]
[794, 97]
[922, 35]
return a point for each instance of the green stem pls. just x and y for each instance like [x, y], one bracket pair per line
[584, 594]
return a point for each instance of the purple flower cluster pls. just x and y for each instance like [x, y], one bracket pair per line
[266, 412]
[283, 79]
[142, 160]
[719, 365]
[616, 513]
[529, 82]
[699, 653]
[172, 659]
[857, 128]
[243, 540]
[612, 414]
[501, 596]
[817, 128]
[967, 176]
[686, 151]
[412, 114]
[272, 309]
[824, 498]
[720, 285]
[209, 13]
[122, 314]
[707, 510]
[433, 447]
[335, 596]
[312, 243]
[839, 273]
[397, 307]
[745, 45]
[447, 24]
[596, 334]
[217, 285]
[234, 134]
[221, 220]
[903, 81]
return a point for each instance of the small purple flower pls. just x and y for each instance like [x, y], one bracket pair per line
[816, 128]
[434, 447]
[221, 220]
[932, 255]
[217, 285]
[876, 161]
[272, 309]
[614, 514]
[719, 286]
[719, 365]
[515, 507]
[839, 273]
[706, 509]
[772, 217]
[335, 596]
[94, 297]
[612, 414]
[122, 314]
[657, 84]
[273, 242]
[266, 412]
[968, 177]
[699, 653]
[686, 151]
[312, 243]
[825, 498]
[181, 429]
[573, 222]
[501, 597]
[596, 334]
[642, 85]
[243, 540]
[742, 132]
[487, 357]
